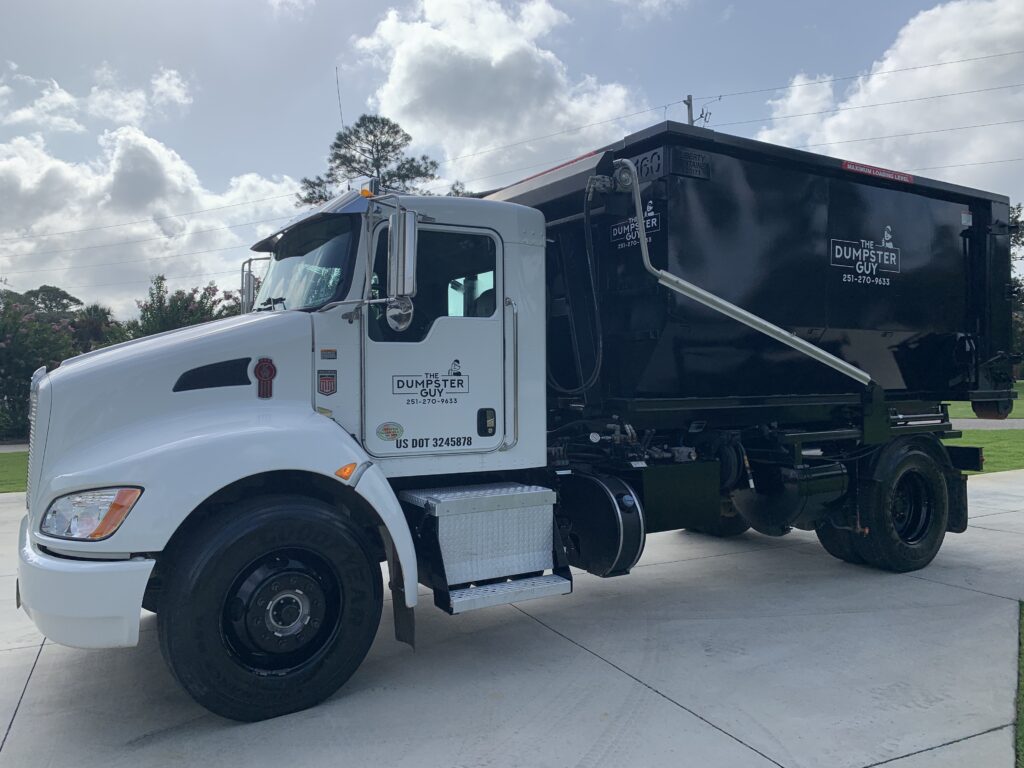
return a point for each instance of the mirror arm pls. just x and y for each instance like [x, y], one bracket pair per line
[356, 302]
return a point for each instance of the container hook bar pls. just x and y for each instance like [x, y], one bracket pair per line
[726, 308]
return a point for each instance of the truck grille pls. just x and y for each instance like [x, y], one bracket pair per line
[33, 449]
[33, 404]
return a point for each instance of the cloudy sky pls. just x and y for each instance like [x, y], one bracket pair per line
[117, 118]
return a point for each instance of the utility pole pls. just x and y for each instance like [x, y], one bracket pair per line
[688, 101]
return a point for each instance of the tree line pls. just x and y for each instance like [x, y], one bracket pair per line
[46, 325]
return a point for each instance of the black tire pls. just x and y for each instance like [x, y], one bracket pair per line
[726, 525]
[904, 504]
[838, 543]
[270, 607]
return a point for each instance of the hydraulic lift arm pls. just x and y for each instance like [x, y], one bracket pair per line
[719, 304]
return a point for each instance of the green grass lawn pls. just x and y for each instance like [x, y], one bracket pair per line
[962, 410]
[1004, 448]
[13, 471]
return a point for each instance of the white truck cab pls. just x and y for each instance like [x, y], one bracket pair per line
[317, 395]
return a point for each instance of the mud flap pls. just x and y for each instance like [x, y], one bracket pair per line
[956, 486]
[405, 617]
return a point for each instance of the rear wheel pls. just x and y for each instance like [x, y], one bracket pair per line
[905, 507]
[270, 607]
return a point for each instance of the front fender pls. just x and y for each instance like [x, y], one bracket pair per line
[179, 465]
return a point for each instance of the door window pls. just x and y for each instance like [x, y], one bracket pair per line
[454, 278]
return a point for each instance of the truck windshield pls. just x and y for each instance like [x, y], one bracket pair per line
[311, 265]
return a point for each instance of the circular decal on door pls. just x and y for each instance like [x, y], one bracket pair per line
[390, 431]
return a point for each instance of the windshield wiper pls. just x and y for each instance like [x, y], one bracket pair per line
[270, 304]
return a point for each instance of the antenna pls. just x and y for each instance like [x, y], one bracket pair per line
[337, 83]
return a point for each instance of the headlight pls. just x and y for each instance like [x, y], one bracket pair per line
[89, 514]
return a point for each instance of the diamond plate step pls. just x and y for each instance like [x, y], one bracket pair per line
[471, 598]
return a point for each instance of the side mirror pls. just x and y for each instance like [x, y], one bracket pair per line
[402, 254]
[399, 313]
[249, 285]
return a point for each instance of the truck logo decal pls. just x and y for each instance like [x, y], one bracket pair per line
[432, 387]
[625, 232]
[390, 431]
[264, 371]
[866, 257]
[326, 382]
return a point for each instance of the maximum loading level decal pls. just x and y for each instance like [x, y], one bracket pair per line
[867, 258]
[625, 234]
[432, 387]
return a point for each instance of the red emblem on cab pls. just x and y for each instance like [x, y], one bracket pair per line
[327, 382]
[265, 371]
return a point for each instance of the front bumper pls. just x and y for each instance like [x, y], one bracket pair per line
[81, 603]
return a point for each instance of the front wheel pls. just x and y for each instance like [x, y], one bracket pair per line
[269, 607]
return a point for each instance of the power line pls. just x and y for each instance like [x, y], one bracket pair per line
[846, 141]
[965, 165]
[139, 282]
[126, 261]
[146, 221]
[668, 104]
[589, 125]
[565, 131]
[559, 133]
[911, 133]
[862, 74]
[154, 239]
[867, 106]
[511, 170]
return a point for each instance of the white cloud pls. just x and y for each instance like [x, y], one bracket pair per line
[132, 178]
[105, 75]
[468, 75]
[108, 100]
[648, 9]
[117, 105]
[808, 97]
[169, 87]
[290, 7]
[54, 110]
[955, 30]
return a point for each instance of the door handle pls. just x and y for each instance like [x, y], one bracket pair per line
[505, 445]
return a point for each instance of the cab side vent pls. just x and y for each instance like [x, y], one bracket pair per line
[227, 373]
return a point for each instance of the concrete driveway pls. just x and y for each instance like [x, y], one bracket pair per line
[744, 652]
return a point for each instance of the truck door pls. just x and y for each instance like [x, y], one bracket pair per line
[438, 386]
